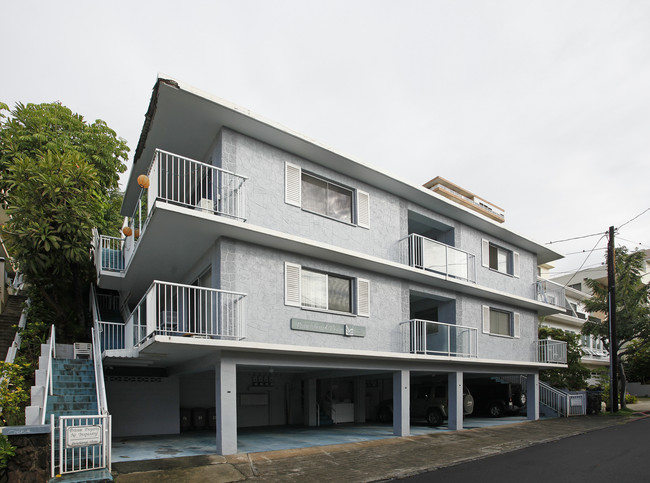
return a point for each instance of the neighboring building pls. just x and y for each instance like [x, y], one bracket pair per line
[281, 283]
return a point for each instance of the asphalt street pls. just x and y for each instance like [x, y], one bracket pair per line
[619, 453]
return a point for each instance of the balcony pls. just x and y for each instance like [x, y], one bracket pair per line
[551, 351]
[438, 339]
[180, 181]
[179, 310]
[421, 252]
[550, 293]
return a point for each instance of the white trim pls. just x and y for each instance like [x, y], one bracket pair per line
[485, 253]
[363, 297]
[292, 279]
[515, 264]
[516, 329]
[486, 319]
[363, 209]
[292, 184]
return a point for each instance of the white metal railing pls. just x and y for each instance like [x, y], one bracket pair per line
[49, 378]
[438, 338]
[198, 185]
[81, 443]
[111, 253]
[421, 252]
[15, 345]
[550, 292]
[553, 398]
[480, 204]
[177, 309]
[576, 403]
[551, 351]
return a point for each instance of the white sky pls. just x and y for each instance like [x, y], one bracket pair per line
[541, 107]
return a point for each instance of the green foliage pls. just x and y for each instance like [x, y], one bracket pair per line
[632, 310]
[575, 376]
[7, 451]
[33, 129]
[58, 179]
[637, 362]
[13, 394]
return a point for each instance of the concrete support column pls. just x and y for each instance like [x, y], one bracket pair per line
[401, 403]
[226, 406]
[311, 403]
[455, 400]
[532, 396]
[359, 400]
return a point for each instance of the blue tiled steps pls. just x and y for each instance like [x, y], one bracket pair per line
[73, 383]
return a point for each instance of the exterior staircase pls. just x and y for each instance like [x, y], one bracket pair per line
[75, 393]
[8, 319]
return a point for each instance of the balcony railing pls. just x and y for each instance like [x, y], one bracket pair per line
[551, 351]
[421, 252]
[550, 293]
[438, 338]
[198, 185]
[184, 310]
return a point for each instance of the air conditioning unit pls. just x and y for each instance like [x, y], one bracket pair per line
[205, 205]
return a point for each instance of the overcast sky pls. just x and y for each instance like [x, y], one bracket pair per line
[541, 107]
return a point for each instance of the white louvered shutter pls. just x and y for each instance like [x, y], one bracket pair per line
[515, 264]
[363, 297]
[291, 284]
[516, 325]
[363, 209]
[292, 184]
[485, 253]
[486, 319]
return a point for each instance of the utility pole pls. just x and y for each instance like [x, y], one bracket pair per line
[611, 290]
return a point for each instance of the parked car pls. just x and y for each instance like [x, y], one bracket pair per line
[497, 398]
[428, 401]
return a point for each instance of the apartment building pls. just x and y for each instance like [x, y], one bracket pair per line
[274, 281]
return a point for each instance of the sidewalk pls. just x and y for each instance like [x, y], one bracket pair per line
[368, 461]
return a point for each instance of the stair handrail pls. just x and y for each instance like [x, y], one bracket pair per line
[558, 394]
[100, 386]
[18, 338]
[49, 384]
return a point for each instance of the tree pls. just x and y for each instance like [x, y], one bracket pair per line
[58, 180]
[33, 129]
[575, 376]
[632, 310]
[637, 363]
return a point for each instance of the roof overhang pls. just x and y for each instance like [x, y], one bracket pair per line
[185, 120]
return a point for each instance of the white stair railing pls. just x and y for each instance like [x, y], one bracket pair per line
[49, 384]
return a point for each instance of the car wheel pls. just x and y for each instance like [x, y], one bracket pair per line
[385, 415]
[434, 417]
[495, 410]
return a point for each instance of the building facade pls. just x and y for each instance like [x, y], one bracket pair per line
[273, 281]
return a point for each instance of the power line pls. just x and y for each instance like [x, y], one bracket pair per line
[586, 258]
[636, 243]
[575, 238]
[629, 221]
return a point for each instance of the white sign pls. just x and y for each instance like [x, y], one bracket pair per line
[76, 436]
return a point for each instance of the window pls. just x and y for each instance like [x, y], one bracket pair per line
[500, 259]
[500, 322]
[326, 198]
[311, 289]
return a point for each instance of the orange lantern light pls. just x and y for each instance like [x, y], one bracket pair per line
[143, 181]
[127, 231]
[137, 233]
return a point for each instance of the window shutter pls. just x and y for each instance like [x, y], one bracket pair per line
[515, 325]
[292, 184]
[486, 319]
[363, 209]
[291, 284]
[363, 297]
[485, 253]
[515, 264]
